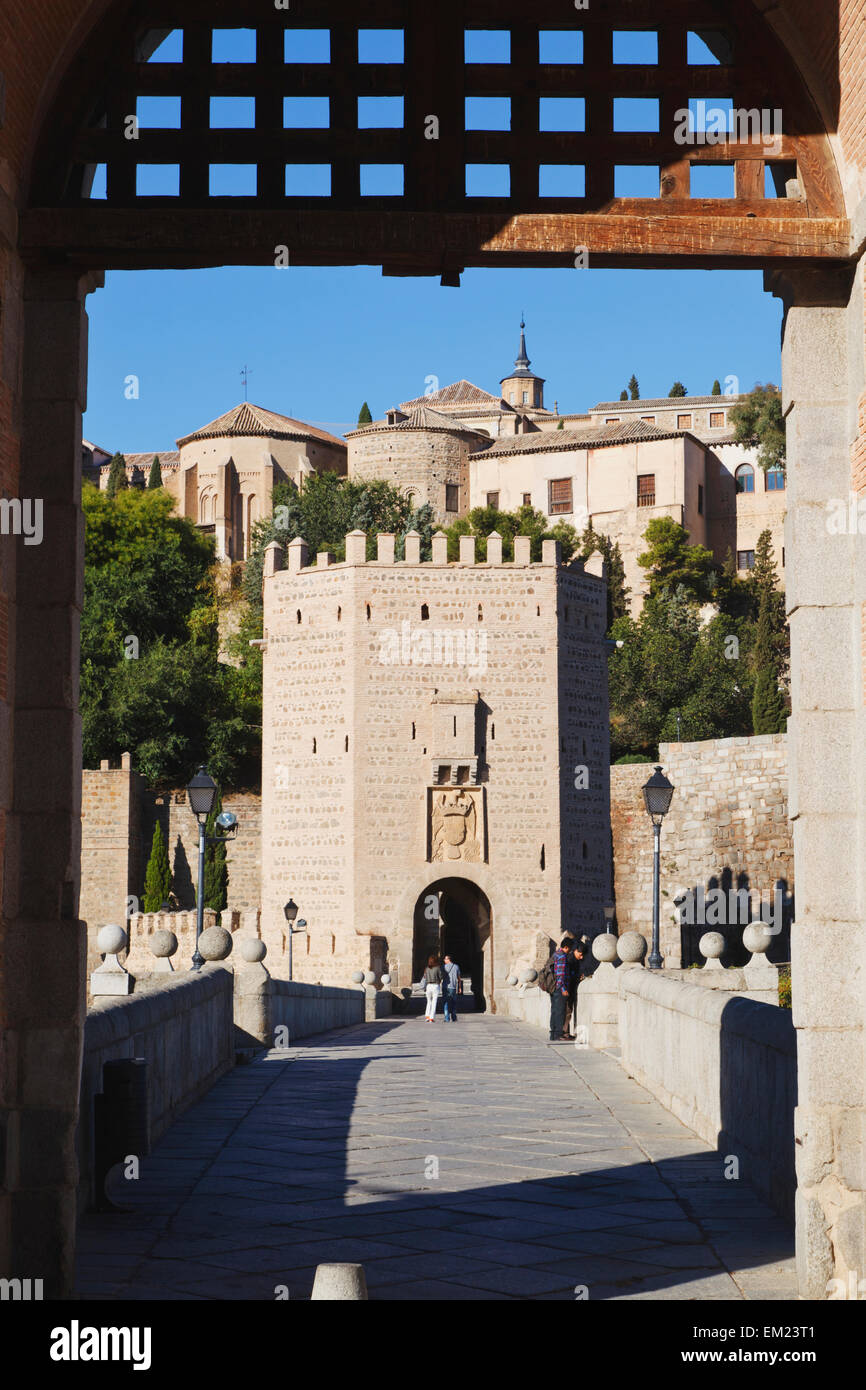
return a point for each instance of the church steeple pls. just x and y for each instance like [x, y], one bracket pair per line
[522, 388]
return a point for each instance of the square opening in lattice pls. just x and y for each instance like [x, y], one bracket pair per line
[380, 113]
[488, 180]
[308, 180]
[488, 113]
[158, 113]
[560, 46]
[306, 113]
[487, 46]
[635, 46]
[233, 46]
[232, 113]
[160, 46]
[381, 180]
[710, 116]
[636, 114]
[561, 181]
[157, 180]
[561, 113]
[380, 45]
[307, 46]
[98, 189]
[709, 47]
[777, 175]
[636, 180]
[711, 181]
[232, 180]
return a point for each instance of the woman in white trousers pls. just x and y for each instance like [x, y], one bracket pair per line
[432, 982]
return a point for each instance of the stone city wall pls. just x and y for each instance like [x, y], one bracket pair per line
[727, 828]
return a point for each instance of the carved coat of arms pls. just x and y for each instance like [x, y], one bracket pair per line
[454, 827]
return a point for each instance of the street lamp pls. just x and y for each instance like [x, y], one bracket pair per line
[201, 794]
[290, 912]
[657, 795]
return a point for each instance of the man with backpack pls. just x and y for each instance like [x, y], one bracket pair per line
[553, 977]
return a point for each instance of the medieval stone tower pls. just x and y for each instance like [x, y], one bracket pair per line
[435, 761]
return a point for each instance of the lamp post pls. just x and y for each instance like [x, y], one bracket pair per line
[290, 912]
[201, 794]
[657, 795]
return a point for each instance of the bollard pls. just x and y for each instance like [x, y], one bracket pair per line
[121, 1121]
[339, 1282]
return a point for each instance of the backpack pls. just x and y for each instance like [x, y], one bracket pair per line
[547, 977]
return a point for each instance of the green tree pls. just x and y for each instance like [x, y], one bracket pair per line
[678, 389]
[758, 420]
[772, 642]
[561, 425]
[157, 879]
[633, 387]
[769, 710]
[672, 563]
[117, 479]
[623, 395]
[717, 388]
[216, 870]
[617, 590]
[155, 475]
[364, 415]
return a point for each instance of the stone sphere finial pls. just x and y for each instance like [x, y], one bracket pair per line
[253, 950]
[712, 945]
[357, 977]
[757, 937]
[386, 979]
[111, 939]
[369, 977]
[163, 943]
[528, 977]
[215, 943]
[511, 979]
[604, 947]
[631, 947]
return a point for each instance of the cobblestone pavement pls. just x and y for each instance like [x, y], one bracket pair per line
[459, 1161]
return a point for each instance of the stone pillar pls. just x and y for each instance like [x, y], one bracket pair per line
[823, 379]
[42, 982]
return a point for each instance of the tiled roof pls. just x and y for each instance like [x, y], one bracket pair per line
[668, 402]
[552, 441]
[458, 393]
[419, 418]
[247, 419]
[168, 458]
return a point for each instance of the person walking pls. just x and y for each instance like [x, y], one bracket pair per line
[574, 975]
[559, 997]
[451, 983]
[432, 982]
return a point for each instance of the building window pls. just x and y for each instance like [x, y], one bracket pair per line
[425, 613]
[452, 497]
[745, 559]
[612, 420]
[775, 480]
[650, 419]
[525, 397]
[700, 499]
[527, 499]
[717, 419]
[684, 422]
[512, 396]
[559, 495]
[783, 557]
[646, 489]
[493, 500]
[745, 478]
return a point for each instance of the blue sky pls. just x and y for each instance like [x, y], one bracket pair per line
[320, 341]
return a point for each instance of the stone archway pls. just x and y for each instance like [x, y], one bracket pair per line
[454, 916]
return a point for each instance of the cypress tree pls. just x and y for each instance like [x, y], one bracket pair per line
[117, 475]
[717, 389]
[364, 416]
[623, 395]
[157, 879]
[769, 712]
[678, 389]
[634, 388]
[155, 476]
[216, 872]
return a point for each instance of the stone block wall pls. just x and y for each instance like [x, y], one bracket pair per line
[180, 829]
[727, 828]
[111, 864]
[420, 461]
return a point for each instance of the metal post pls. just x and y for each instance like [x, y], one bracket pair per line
[198, 958]
[655, 960]
[291, 939]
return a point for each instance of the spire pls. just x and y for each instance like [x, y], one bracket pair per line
[521, 360]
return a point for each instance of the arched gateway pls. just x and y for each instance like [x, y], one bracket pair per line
[453, 916]
[74, 72]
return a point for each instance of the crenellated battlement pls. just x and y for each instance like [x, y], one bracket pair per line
[295, 557]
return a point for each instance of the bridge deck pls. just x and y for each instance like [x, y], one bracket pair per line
[468, 1161]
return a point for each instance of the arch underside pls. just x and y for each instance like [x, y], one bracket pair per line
[433, 226]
